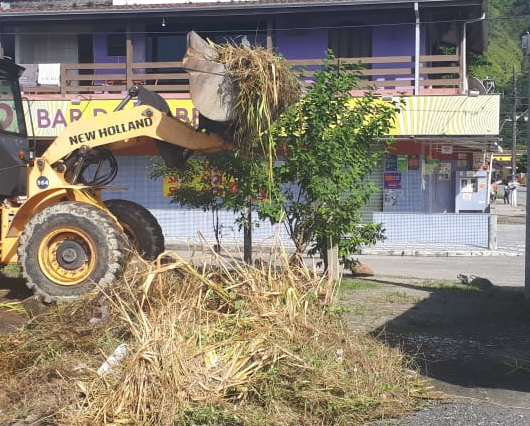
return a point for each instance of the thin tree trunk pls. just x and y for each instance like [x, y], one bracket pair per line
[247, 234]
[332, 260]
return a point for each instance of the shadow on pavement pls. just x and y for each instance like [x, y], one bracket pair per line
[465, 337]
[12, 291]
[13, 288]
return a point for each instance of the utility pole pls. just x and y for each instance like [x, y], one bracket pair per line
[247, 232]
[525, 45]
[513, 194]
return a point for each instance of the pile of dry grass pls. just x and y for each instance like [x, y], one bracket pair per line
[224, 345]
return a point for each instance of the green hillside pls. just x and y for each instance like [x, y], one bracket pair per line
[505, 62]
[507, 21]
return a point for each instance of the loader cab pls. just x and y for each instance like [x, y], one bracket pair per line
[13, 133]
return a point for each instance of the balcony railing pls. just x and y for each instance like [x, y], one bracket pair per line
[392, 73]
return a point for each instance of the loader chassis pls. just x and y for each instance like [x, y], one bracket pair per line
[54, 223]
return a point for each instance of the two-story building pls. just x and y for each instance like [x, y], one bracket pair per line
[81, 56]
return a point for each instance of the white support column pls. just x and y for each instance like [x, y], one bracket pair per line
[417, 50]
[463, 53]
[463, 60]
[490, 170]
[270, 27]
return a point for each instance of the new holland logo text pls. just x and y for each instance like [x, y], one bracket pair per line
[110, 131]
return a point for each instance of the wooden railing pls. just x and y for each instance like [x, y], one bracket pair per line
[382, 73]
[397, 72]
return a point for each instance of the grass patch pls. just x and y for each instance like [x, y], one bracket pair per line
[12, 307]
[447, 285]
[353, 284]
[11, 271]
[226, 345]
[396, 297]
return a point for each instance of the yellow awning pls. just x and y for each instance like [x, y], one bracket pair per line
[448, 116]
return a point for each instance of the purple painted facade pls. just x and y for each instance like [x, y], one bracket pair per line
[302, 44]
[100, 45]
[395, 40]
[308, 39]
[296, 39]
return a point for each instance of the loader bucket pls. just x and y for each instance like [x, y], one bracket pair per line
[211, 91]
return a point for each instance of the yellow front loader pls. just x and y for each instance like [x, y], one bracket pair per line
[54, 223]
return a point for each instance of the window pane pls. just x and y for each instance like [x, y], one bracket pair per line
[349, 42]
[11, 112]
[116, 44]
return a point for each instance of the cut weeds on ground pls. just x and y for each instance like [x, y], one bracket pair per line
[223, 345]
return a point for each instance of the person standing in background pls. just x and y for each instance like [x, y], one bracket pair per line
[506, 193]
[493, 193]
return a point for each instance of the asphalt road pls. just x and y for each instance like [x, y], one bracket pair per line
[505, 271]
[481, 398]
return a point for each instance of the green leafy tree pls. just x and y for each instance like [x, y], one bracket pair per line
[330, 141]
[224, 180]
[507, 21]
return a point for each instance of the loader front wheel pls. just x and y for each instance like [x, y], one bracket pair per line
[70, 249]
[140, 226]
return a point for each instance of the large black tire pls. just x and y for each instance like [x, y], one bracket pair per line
[69, 249]
[140, 226]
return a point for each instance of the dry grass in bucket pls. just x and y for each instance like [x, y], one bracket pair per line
[219, 344]
[266, 87]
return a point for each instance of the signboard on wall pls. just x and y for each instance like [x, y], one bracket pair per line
[478, 160]
[170, 185]
[447, 149]
[392, 180]
[402, 163]
[49, 118]
[391, 162]
[445, 171]
[431, 166]
[414, 162]
[212, 180]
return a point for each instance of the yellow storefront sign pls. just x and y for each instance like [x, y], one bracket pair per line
[47, 119]
[503, 157]
[417, 115]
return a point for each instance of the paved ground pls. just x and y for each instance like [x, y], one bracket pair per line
[503, 266]
[490, 389]
[504, 271]
[472, 344]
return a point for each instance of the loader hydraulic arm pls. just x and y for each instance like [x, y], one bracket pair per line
[129, 127]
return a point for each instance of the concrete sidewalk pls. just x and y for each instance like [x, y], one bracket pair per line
[507, 213]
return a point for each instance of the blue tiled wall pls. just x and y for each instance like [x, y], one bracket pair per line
[435, 228]
[426, 194]
[182, 223]
[178, 222]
